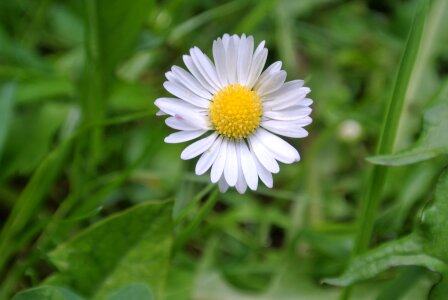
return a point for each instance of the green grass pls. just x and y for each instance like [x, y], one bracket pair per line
[94, 205]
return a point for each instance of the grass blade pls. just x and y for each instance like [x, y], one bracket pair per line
[7, 93]
[377, 179]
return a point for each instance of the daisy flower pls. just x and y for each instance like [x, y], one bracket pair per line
[237, 110]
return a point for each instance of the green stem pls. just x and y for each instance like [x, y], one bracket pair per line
[93, 97]
[377, 177]
[186, 232]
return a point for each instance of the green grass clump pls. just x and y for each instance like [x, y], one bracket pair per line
[94, 205]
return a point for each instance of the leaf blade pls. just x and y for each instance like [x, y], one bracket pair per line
[132, 246]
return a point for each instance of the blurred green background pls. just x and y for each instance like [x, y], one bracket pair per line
[79, 139]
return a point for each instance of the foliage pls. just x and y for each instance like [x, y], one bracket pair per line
[84, 170]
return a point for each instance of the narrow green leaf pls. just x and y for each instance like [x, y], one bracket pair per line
[186, 232]
[201, 19]
[30, 200]
[47, 292]
[132, 246]
[44, 88]
[7, 92]
[255, 16]
[117, 24]
[111, 28]
[26, 145]
[377, 178]
[433, 140]
[285, 36]
[372, 193]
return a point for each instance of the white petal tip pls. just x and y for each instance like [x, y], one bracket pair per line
[168, 140]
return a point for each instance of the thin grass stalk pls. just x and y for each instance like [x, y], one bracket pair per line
[377, 178]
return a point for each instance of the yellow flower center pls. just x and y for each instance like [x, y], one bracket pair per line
[235, 111]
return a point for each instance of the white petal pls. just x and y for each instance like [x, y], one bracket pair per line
[188, 61]
[231, 59]
[171, 106]
[281, 150]
[231, 167]
[249, 169]
[219, 163]
[245, 53]
[190, 82]
[265, 157]
[270, 83]
[275, 67]
[185, 94]
[258, 61]
[161, 113]
[222, 184]
[198, 147]
[219, 55]
[263, 173]
[287, 100]
[287, 103]
[306, 102]
[189, 85]
[300, 122]
[241, 185]
[182, 110]
[183, 136]
[208, 157]
[286, 128]
[292, 113]
[179, 124]
[291, 87]
[206, 67]
[225, 40]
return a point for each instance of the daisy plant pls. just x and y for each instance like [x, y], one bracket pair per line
[236, 111]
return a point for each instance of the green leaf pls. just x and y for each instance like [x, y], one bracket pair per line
[26, 146]
[111, 28]
[30, 201]
[44, 88]
[132, 246]
[290, 281]
[403, 252]
[372, 193]
[399, 287]
[132, 291]
[201, 19]
[433, 140]
[440, 290]
[434, 225]
[427, 246]
[117, 25]
[7, 93]
[47, 292]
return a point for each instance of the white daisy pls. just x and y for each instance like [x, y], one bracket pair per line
[237, 110]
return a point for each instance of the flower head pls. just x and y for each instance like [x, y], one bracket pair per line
[237, 110]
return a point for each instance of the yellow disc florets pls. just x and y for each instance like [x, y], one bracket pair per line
[235, 111]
